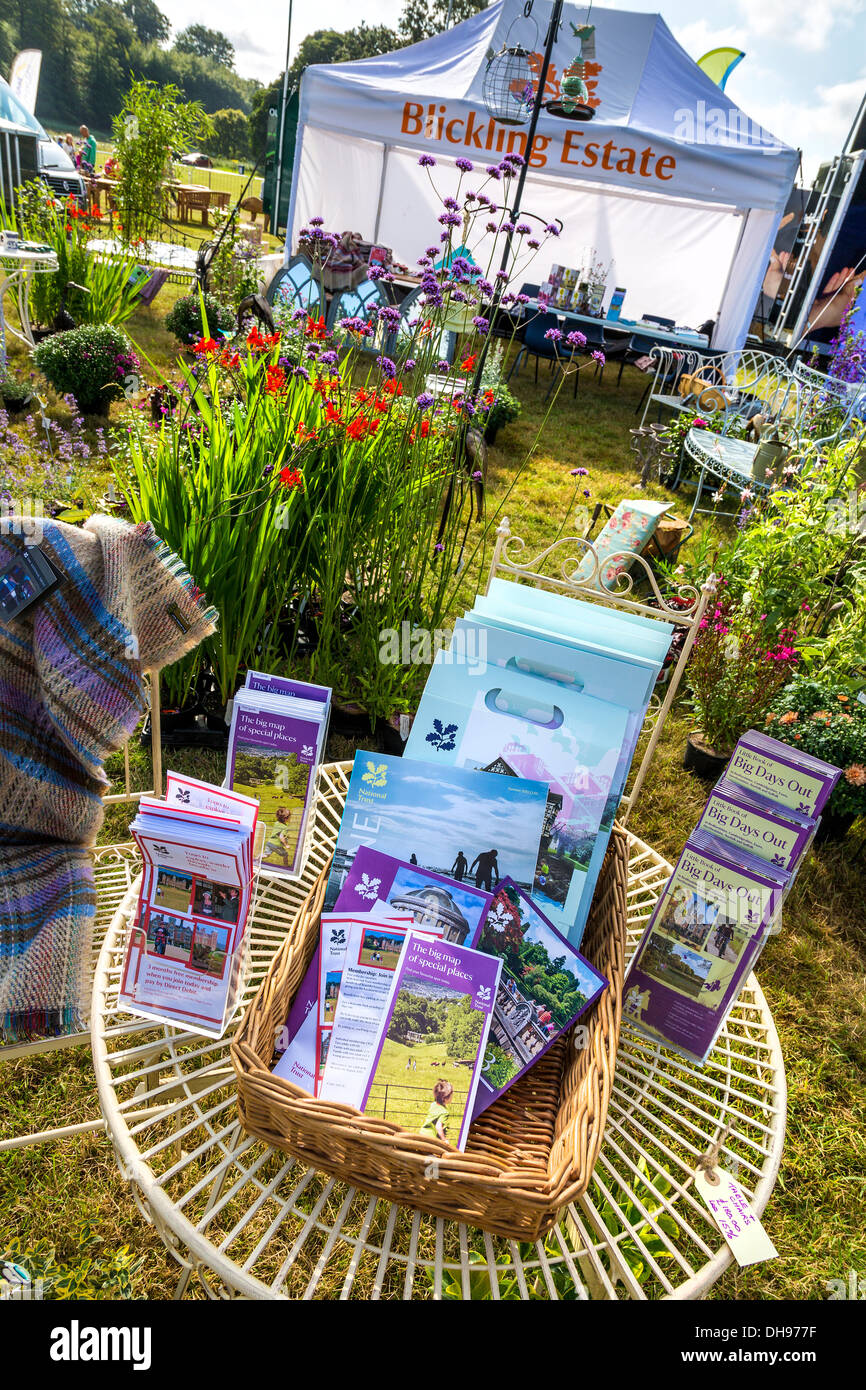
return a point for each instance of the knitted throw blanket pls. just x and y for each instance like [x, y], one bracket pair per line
[71, 693]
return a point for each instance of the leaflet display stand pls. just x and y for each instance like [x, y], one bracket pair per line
[556, 567]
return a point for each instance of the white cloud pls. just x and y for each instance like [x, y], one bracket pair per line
[807, 25]
[819, 126]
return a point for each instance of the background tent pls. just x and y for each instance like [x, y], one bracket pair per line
[670, 181]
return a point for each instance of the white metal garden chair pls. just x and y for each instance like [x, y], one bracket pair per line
[793, 400]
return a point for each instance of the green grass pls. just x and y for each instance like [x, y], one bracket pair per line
[812, 972]
[409, 1093]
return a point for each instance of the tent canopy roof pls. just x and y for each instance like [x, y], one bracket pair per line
[645, 79]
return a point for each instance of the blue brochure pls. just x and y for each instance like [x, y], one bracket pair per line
[561, 616]
[471, 826]
[507, 722]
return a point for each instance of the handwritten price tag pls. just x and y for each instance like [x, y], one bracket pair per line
[729, 1208]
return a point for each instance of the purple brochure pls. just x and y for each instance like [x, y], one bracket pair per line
[432, 1039]
[444, 906]
[782, 775]
[283, 685]
[272, 757]
[734, 815]
[707, 929]
[544, 986]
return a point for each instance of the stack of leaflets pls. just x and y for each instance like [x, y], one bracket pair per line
[429, 995]
[545, 686]
[278, 732]
[185, 951]
[724, 897]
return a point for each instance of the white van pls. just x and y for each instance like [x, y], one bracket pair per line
[58, 171]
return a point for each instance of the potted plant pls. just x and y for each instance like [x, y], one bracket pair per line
[195, 316]
[16, 395]
[736, 669]
[505, 408]
[824, 719]
[95, 363]
[501, 403]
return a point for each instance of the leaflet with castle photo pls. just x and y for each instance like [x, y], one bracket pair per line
[446, 906]
[544, 987]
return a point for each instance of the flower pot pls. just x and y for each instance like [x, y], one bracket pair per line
[349, 719]
[394, 731]
[192, 727]
[703, 760]
[834, 827]
[768, 455]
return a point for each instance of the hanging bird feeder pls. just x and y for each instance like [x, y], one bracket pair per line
[509, 85]
[573, 102]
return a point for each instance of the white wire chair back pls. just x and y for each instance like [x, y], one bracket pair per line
[576, 569]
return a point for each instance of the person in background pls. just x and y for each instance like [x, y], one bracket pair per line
[88, 151]
[67, 144]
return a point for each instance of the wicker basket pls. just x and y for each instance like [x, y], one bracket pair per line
[526, 1156]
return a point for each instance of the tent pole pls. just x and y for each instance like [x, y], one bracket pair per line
[278, 180]
[553, 30]
[381, 194]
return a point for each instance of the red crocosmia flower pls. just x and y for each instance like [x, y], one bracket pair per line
[316, 328]
[276, 381]
[468, 363]
[256, 340]
[229, 359]
[291, 478]
[425, 428]
[332, 415]
[304, 435]
[359, 428]
[488, 397]
[394, 388]
[205, 346]
[361, 396]
[380, 404]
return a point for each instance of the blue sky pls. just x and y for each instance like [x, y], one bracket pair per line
[802, 77]
[434, 811]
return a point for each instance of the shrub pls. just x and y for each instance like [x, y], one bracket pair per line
[185, 320]
[822, 718]
[14, 394]
[93, 363]
[738, 664]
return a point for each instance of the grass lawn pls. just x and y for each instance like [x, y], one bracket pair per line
[812, 972]
[404, 1093]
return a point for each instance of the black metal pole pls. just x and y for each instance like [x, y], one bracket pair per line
[553, 29]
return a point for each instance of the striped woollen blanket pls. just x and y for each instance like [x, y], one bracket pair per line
[71, 693]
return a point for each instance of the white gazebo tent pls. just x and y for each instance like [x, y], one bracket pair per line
[672, 184]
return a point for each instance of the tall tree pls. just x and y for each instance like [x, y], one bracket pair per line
[421, 19]
[148, 20]
[322, 46]
[206, 43]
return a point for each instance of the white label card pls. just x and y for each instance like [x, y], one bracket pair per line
[729, 1208]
